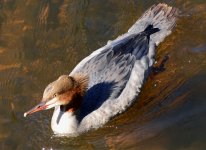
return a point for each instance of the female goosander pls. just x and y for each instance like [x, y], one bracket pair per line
[106, 82]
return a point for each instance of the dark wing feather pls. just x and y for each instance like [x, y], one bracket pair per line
[110, 70]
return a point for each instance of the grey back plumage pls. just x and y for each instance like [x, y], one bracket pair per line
[118, 70]
[110, 70]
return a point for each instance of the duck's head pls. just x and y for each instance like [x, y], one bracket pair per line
[67, 91]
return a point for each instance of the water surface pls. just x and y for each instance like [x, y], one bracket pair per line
[40, 40]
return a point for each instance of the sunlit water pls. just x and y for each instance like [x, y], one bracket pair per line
[40, 40]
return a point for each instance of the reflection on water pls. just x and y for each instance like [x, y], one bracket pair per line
[40, 40]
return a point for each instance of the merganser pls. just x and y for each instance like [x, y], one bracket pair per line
[108, 81]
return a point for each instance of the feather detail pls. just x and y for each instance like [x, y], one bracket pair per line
[82, 81]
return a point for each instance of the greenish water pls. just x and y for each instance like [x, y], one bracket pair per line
[40, 40]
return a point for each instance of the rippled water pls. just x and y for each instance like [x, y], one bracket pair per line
[40, 40]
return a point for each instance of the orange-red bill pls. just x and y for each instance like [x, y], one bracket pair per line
[39, 107]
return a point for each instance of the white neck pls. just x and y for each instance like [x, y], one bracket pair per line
[64, 122]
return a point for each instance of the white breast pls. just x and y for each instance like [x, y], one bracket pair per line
[64, 122]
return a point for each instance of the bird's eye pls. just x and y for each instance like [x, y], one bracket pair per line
[55, 95]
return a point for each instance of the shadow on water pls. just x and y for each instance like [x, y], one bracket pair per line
[40, 40]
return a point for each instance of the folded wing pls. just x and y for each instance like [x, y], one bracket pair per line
[117, 71]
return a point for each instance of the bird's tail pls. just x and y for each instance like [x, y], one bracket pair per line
[150, 30]
[161, 16]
